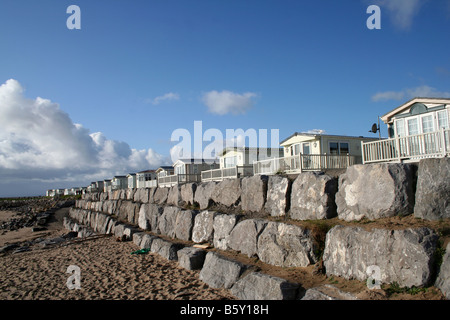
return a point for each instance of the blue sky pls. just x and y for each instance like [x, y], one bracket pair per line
[138, 70]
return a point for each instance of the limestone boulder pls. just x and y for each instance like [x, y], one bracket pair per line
[191, 258]
[203, 194]
[203, 230]
[402, 256]
[220, 272]
[244, 236]
[313, 196]
[286, 245]
[160, 195]
[167, 221]
[278, 189]
[227, 192]
[188, 193]
[223, 225]
[149, 215]
[254, 193]
[184, 224]
[259, 286]
[174, 196]
[443, 279]
[433, 189]
[376, 191]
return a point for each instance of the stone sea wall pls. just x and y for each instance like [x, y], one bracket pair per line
[256, 216]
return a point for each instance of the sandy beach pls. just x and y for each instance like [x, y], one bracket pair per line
[108, 271]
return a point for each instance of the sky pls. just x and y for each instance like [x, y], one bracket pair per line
[109, 98]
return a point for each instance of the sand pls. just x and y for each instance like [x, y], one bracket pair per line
[108, 270]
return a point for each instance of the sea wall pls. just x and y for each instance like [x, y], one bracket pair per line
[260, 217]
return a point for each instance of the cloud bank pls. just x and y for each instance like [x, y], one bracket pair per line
[225, 102]
[40, 145]
[409, 93]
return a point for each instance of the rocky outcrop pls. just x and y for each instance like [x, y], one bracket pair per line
[433, 189]
[313, 197]
[278, 189]
[402, 256]
[375, 191]
[286, 245]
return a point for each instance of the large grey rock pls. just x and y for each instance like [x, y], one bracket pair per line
[244, 236]
[191, 258]
[327, 292]
[149, 215]
[402, 256]
[313, 196]
[443, 279]
[433, 189]
[188, 193]
[223, 224]
[167, 221]
[286, 245]
[254, 192]
[203, 230]
[277, 192]
[174, 196]
[220, 272]
[375, 191]
[146, 242]
[165, 249]
[128, 211]
[137, 238]
[227, 192]
[141, 195]
[259, 286]
[160, 195]
[184, 224]
[203, 194]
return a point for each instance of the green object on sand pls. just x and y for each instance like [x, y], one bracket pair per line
[142, 251]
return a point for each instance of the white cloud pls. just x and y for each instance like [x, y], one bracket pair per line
[168, 96]
[402, 12]
[421, 91]
[40, 143]
[228, 102]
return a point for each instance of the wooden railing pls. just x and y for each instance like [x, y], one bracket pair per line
[303, 162]
[409, 148]
[226, 173]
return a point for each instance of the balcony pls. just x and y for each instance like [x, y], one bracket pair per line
[409, 148]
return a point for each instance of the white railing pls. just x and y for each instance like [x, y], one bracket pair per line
[226, 173]
[169, 181]
[409, 148]
[303, 162]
